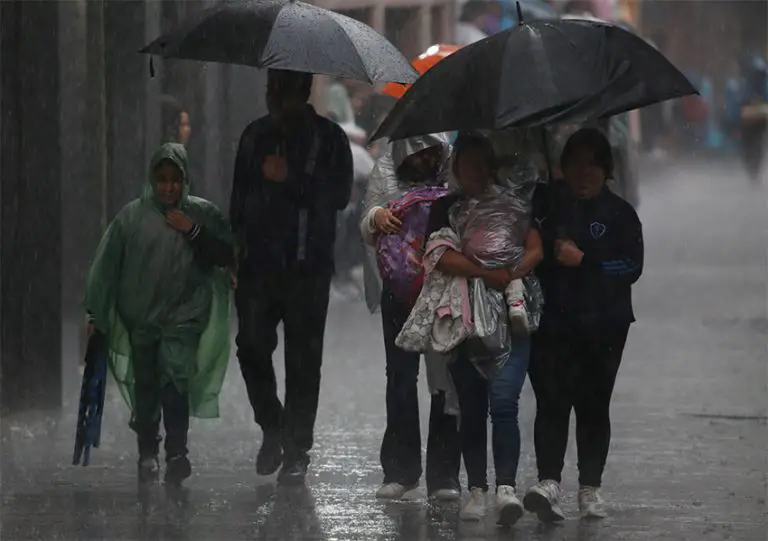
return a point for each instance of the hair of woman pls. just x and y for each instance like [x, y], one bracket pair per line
[473, 141]
[593, 140]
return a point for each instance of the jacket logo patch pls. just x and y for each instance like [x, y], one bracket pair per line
[597, 230]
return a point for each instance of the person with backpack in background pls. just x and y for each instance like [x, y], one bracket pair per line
[408, 177]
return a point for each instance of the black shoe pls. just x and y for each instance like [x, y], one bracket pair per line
[177, 469]
[149, 470]
[270, 455]
[293, 474]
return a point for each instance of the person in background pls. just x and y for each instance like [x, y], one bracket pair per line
[469, 29]
[293, 174]
[407, 164]
[158, 291]
[593, 254]
[339, 104]
[176, 127]
[753, 114]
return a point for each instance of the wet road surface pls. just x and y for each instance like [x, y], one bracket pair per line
[688, 458]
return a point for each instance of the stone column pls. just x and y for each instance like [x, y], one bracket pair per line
[30, 243]
[127, 83]
[80, 220]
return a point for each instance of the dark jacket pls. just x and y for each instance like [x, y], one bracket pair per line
[265, 215]
[597, 294]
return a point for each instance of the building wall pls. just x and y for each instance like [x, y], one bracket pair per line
[708, 36]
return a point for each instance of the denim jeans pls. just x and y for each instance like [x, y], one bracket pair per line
[503, 393]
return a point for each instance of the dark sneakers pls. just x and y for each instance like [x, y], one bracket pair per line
[177, 470]
[270, 455]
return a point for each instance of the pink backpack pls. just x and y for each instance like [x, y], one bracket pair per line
[400, 255]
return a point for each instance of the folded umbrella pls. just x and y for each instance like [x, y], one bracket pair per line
[286, 34]
[92, 393]
[537, 74]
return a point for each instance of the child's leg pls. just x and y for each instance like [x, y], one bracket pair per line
[518, 314]
[178, 353]
[146, 408]
[176, 421]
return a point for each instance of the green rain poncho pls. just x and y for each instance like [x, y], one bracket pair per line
[164, 307]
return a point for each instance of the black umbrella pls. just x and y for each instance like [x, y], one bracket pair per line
[286, 34]
[536, 74]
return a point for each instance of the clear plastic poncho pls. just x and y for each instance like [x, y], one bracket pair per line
[147, 289]
[492, 227]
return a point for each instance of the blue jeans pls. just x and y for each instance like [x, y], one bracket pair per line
[503, 393]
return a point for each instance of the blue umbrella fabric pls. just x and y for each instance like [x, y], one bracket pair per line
[536, 74]
[286, 34]
[92, 394]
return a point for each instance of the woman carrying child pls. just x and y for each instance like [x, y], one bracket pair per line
[475, 170]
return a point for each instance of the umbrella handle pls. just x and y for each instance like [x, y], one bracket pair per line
[546, 150]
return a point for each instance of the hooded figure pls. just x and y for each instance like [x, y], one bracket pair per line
[384, 185]
[407, 164]
[158, 292]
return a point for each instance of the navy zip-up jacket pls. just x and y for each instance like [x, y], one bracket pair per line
[597, 295]
[265, 215]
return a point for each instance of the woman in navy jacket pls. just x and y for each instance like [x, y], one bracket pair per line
[593, 253]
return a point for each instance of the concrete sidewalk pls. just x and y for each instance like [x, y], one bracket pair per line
[688, 459]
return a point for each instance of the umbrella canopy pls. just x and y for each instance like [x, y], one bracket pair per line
[537, 74]
[286, 34]
[422, 63]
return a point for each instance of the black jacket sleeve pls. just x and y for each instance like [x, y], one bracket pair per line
[624, 263]
[242, 176]
[341, 168]
[210, 248]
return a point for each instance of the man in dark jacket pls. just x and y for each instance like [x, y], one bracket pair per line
[293, 173]
[593, 253]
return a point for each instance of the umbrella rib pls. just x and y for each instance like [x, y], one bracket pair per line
[334, 17]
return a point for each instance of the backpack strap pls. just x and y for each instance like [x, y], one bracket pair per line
[309, 171]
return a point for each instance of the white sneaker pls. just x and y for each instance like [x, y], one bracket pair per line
[474, 507]
[445, 495]
[544, 500]
[518, 312]
[395, 491]
[591, 504]
[508, 505]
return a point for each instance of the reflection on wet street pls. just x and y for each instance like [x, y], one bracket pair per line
[687, 459]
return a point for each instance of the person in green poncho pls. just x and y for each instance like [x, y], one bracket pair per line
[158, 290]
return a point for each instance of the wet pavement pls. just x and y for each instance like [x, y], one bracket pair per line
[688, 459]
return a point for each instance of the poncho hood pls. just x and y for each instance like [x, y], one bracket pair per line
[402, 148]
[173, 152]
